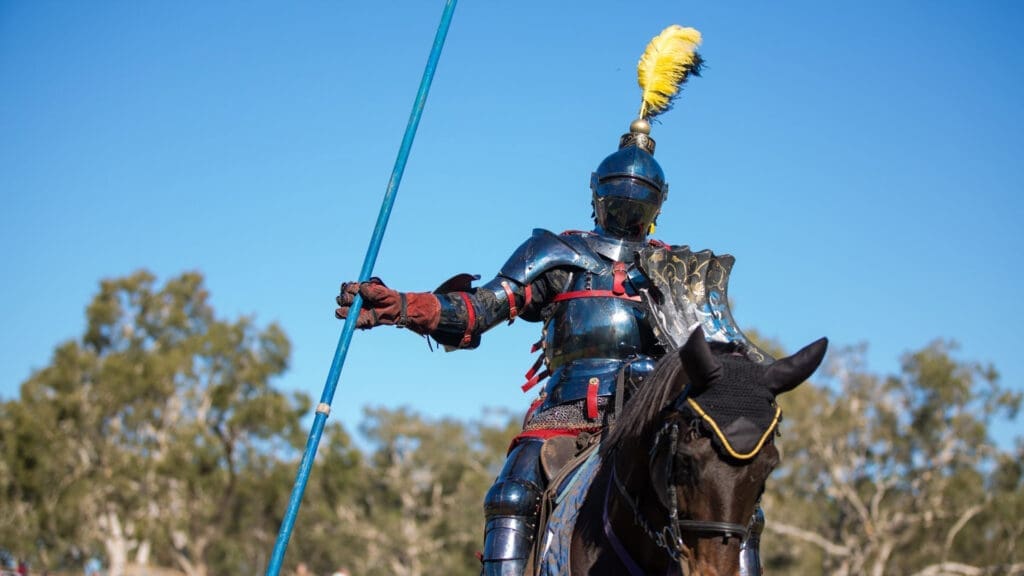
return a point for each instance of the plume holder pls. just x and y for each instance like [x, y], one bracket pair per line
[638, 139]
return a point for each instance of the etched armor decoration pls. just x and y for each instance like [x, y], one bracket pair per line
[690, 289]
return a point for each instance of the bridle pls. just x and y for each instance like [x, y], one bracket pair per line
[670, 536]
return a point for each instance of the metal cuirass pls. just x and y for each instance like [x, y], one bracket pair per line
[599, 326]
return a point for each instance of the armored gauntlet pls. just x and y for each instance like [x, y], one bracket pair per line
[417, 311]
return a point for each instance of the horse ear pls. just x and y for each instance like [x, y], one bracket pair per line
[791, 371]
[699, 363]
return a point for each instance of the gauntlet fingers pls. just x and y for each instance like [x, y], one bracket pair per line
[381, 305]
[378, 294]
[368, 319]
[347, 293]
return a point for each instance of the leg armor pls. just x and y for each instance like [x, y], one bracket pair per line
[511, 507]
[750, 550]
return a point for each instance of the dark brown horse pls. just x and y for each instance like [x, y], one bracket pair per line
[684, 465]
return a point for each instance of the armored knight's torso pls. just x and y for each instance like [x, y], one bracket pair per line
[585, 288]
[595, 326]
[599, 327]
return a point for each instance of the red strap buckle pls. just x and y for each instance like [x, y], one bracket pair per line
[618, 290]
[619, 278]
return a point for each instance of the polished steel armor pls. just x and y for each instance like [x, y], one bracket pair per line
[584, 287]
[597, 339]
[629, 188]
[587, 336]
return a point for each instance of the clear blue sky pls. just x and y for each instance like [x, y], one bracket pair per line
[862, 160]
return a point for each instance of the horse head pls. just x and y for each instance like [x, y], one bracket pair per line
[694, 447]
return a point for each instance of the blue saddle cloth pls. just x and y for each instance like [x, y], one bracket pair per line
[554, 552]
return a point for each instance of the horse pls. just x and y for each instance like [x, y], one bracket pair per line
[682, 469]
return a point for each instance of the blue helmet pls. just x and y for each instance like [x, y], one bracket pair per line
[629, 187]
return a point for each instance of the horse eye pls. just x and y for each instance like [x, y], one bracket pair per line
[684, 469]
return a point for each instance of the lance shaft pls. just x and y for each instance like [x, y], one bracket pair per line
[324, 408]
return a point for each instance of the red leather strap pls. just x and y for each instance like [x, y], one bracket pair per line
[512, 311]
[533, 377]
[618, 288]
[471, 322]
[545, 433]
[619, 278]
[592, 387]
[593, 294]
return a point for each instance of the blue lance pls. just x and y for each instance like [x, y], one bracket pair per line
[324, 408]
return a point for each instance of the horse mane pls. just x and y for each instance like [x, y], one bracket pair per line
[645, 404]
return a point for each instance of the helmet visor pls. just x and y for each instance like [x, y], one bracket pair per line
[626, 207]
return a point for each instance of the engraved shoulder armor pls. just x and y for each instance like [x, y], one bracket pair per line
[546, 250]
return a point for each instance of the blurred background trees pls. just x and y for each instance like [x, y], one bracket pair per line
[159, 439]
[897, 474]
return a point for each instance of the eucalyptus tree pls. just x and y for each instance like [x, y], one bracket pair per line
[898, 474]
[144, 436]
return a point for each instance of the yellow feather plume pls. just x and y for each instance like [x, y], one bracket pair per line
[666, 64]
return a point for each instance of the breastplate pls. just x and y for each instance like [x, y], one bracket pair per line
[588, 338]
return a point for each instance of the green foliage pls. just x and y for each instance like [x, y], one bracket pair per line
[897, 474]
[415, 506]
[158, 438]
[144, 434]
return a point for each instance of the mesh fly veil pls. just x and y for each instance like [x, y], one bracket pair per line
[739, 411]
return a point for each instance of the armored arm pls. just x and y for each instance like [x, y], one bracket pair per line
[537, 271]
[456, 314]
[468, 312]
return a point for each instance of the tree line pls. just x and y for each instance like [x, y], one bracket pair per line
[158, 438]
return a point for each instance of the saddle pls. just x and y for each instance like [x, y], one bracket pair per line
[556, 453]
[570, 464]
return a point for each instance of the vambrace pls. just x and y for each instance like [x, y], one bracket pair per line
[466, 314]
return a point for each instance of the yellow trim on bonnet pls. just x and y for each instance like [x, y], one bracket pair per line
[725, 441]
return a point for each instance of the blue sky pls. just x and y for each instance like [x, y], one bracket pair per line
[861, 160]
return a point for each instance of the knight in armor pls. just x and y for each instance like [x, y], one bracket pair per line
[597, 343]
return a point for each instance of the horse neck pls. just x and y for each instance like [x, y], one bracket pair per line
[618, 514]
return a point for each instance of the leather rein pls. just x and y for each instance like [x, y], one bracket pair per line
[670, 536]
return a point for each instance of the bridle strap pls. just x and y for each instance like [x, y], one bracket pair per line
[620, 549]
[667, 538]
[726, 529]
[670, 537]
[617, 545]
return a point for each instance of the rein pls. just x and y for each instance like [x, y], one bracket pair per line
[670, 536]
